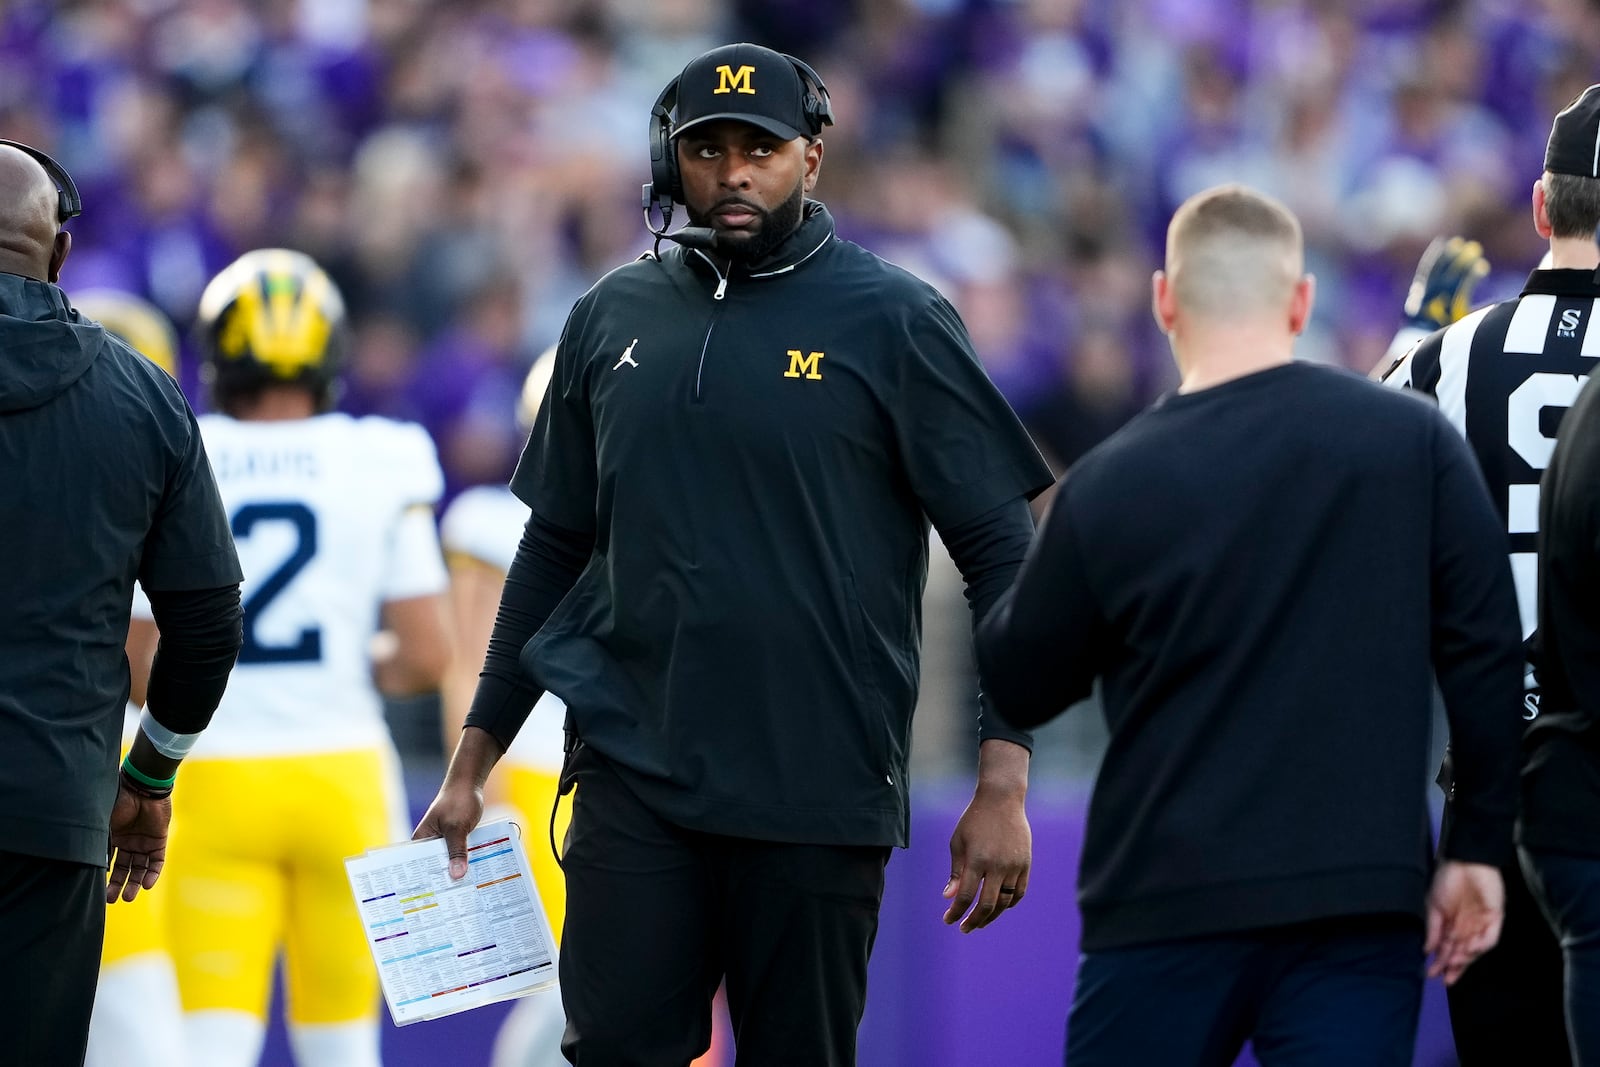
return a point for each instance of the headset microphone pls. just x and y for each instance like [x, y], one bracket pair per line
[702, 237]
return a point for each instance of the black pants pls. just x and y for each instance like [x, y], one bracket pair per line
[52, 921]
[1336, 993]
[658, 915]
[1568, 889]
[1506, 1008]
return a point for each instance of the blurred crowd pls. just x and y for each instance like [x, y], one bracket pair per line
[466, 168]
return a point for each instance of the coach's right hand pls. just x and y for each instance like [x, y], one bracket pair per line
[458, 808]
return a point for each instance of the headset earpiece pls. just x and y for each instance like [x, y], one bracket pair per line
[664, 181]
[69, 204]
[816, 102]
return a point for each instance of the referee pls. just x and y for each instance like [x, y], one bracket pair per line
[1504, 376]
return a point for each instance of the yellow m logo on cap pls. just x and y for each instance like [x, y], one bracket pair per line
[734, 81]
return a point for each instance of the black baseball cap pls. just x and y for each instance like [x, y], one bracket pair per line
[745, 82]
[1574, 146]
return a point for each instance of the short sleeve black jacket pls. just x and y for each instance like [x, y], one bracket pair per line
[104, 480]
[759, 457]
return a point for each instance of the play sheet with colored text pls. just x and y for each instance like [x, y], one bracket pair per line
[443, 945]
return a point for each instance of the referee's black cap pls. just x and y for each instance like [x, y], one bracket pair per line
[1574, 145]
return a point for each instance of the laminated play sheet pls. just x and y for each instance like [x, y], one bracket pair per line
[442, 945]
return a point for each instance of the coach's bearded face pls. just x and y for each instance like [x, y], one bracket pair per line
[755, 239]
[746, 185]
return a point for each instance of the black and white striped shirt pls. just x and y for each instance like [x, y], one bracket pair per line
[1504, 375]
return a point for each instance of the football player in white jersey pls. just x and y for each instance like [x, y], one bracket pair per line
[333, 518]
[137, 1021]
[480, 531]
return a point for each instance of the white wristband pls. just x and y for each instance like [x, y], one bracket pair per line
[169, 744]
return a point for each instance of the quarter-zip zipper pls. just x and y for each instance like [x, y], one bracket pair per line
[717, 296]
[721, 292]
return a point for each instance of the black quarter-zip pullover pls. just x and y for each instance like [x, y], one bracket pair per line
[758, 453]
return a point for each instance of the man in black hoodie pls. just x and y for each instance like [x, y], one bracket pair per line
[732, 477]
[104, 481]
[1266, 569]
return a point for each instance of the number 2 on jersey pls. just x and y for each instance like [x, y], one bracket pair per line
[307, 647]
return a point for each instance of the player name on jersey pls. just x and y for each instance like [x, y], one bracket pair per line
[292, 462]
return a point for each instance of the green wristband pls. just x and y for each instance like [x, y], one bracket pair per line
[144, 779]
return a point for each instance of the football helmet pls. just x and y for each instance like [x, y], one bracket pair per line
[136, 321]
[534, 387]
[271, 317]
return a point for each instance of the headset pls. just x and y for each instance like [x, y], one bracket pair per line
[666, 185]
[69, 205]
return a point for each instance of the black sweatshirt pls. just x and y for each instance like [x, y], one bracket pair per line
[1266, 575]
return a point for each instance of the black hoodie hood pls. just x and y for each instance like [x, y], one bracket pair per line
[44, 345]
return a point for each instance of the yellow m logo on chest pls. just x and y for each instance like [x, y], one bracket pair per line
[734, 81]
[804, 365]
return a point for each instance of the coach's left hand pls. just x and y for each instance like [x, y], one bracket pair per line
[992, 847]
[1466, 908]
[137, 849]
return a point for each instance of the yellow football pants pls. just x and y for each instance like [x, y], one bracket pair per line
[256, 864]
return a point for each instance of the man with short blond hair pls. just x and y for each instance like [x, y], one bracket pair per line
[1232, 251]
[1256, 864]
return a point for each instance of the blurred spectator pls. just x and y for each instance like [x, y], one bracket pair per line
[466, 387]
[407, 142]
[1014, 152]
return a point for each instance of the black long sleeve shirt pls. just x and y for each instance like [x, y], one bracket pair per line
[201, 630]
[1266, 575]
